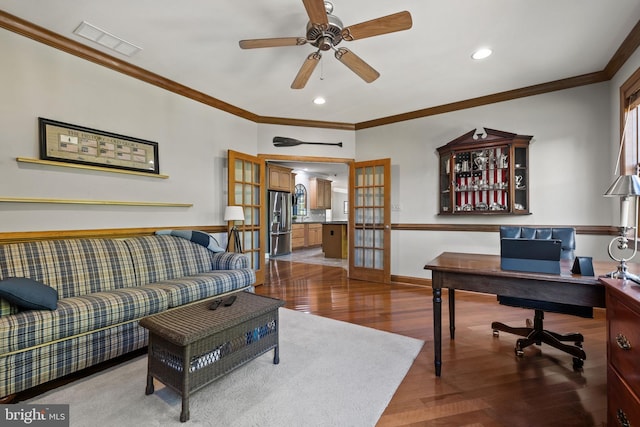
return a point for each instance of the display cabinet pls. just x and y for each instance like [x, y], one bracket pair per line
[485, 173]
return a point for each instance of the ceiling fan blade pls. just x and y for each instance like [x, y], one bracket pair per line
[306, 70]
[387, 24]
[357, 65]
[274, 42]
[317, 12]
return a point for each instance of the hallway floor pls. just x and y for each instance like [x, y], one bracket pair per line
[314, 256]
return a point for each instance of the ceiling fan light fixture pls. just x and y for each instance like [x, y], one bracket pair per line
[319, 100]
[481, 53]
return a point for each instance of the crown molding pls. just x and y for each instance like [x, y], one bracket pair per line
[40, 34]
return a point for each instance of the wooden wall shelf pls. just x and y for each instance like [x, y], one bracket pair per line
[92, 202]
[88, 167]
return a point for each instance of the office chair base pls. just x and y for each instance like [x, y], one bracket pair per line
[538, 335]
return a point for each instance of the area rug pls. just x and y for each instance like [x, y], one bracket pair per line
[331, 373]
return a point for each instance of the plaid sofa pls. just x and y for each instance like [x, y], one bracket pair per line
[105, 286]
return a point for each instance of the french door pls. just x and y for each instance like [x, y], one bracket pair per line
[370, 221]
[246, 177]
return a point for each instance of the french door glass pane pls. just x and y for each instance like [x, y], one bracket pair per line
[238, 170]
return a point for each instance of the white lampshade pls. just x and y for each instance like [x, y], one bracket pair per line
[233, 213]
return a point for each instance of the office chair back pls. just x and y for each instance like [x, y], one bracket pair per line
[567, 235]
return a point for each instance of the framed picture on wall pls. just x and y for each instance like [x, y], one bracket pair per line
[64, 142]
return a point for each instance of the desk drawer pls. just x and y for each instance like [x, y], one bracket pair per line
[623, 406]
[624, 341]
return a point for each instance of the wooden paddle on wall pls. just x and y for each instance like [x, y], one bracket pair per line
[281, 141]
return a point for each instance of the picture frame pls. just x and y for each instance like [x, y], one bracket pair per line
[65, 142]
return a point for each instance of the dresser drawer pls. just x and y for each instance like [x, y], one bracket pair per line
[623, 407]
[624, 341]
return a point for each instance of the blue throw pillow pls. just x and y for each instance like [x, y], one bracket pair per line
[29, 294]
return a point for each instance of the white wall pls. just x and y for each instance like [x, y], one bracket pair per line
[266, 133]
[38, 81]
[570, 168]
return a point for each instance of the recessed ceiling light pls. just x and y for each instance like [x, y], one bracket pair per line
[95, 34]
[482, 53]
[319, 100]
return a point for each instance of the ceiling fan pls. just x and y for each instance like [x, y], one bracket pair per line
[325, 31]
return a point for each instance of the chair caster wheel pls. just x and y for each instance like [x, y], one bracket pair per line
[496, 333]
[578, 363]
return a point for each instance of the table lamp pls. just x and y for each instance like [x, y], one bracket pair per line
[234, 213]
[625, 187]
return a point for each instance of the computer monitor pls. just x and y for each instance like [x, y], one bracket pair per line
[530, 255]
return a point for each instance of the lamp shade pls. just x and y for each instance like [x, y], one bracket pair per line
[625, 185]
[233, 213]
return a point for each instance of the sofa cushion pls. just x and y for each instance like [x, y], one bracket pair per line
[77, 315]
[28, 294]
[72, 267]
[184, 290]
[157, 258]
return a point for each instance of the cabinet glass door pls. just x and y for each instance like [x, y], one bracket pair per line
[520, 180]
[445, 184]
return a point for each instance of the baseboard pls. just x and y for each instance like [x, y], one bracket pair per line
[409, 280]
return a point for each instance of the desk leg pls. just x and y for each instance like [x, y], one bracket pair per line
[437, 326]
[452, 312]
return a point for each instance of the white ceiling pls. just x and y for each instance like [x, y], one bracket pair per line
[195, 43]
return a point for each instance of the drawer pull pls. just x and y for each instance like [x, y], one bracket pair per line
[622, 418]
[623, 342]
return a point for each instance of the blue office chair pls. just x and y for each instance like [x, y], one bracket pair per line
[534, 333]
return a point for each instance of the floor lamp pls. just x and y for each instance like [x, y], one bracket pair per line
[234, 213]
[625, 187]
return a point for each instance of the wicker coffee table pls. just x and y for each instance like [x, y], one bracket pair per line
[191, 346]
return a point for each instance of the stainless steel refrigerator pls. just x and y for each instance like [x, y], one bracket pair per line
[279, 223]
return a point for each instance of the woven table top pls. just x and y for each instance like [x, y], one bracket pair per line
[185, 325]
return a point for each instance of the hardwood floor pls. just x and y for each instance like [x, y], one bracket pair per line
[483, 383]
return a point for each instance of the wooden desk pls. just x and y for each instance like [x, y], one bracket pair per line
[482, 273]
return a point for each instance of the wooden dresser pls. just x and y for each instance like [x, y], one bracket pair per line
[623, 353]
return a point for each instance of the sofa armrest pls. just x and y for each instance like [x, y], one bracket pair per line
[229, 261]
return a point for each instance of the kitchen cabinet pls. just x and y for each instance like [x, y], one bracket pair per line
[306, 235]
[314, 234]
[623, 352]
[486, 174]
[319, 193]
[280, 178]
[298, 236]
[334, 240]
